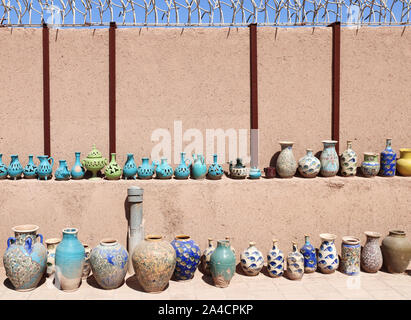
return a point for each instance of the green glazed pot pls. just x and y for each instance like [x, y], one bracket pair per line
[94, 162]
[113, 170]
[396, 250]
[222, 264]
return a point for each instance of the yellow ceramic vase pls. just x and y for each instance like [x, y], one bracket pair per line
[404, 163]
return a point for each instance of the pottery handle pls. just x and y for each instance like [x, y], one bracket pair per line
[28, 244]
[41, 237]
[9, 240]
[52, 161]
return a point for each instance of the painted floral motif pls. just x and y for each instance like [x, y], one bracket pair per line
[350, 256]
[388, 160]
[187, 257]
[309, 166]
[251, 260]
[310, 256]
[327, 254]
[275, 261]
[370, 166]
[329, 159]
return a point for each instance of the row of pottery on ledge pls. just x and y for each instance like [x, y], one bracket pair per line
[328, 165]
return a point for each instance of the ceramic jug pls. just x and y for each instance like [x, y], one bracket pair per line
[370, 166]
[130, 167]
[146, 170]
[329, 159]
[349, 161]
[404, 163]
[77, 171]
[183, 169]
[350, 255]
[205, 258]
[286, 165]
[295, 264]
[30, 170]
[164, 170]
[251, 260]
[3, 168]
[188, 256]
[215, 171]
[388, 160]
[327, 253]
[238, 171]
[113, 170]
[309, 166]
[51, 255]
[62, 172]
[15, 169]
[396, 251]
[310, 256]
[275, 261]
[254, 173]
[45, 169]
[198, 167]
[222, 264]
[371, 255]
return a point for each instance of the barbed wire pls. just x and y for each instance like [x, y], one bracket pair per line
[203, 12]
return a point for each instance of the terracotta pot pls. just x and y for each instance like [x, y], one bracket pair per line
[371, 255]
[396, 250]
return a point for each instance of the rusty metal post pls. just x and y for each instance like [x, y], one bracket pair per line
[336, 60]
[253, 95]
[46, 91]
[112, 87]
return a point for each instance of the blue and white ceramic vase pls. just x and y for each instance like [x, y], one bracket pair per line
[164, 170]
[45, 169]
[309, 166]
[348, 162]
[350, 256]
[30, 170]
[295, 264]
[25, 259]
[130, 167]
[275, 261]
[15, 169]
[327, 254]
[70, 256]
[251, 260]
[388, 160]
[310, 256]
[198, 167]
[254, 173]
[286, 166]
[188, 256]
[3, 168]
[215, 171]
[370, 166]
[62, 173]
[109, 263]
[183, 169]
[77, 171]
[329, 159]
[146, 170]
[206, 256]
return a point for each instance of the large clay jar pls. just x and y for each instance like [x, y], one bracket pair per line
[3, 168]
[30, 170]
[388, 160]
[404, 163]
[370, 166]
[113, 170]
[215, 171]
[70, 257]
[295, 264]
[222, 264]
[77, 171]
[310, 256]
[329, 159]
[275, 261]
[87, 264]
[286, 165]
[251, 260]
[25, 259]
[350, 255]
[154, 261]
[130, 167]
[188, 256]
[327, 253]
[309, 166]
[371, 255]
[109, 263]
[14, 169]
[348, 161]
[183, 169]
[51, 255]
[396, 250]
[206, 256]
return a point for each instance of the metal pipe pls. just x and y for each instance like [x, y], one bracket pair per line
[135, 228]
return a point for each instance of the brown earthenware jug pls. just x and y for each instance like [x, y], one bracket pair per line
[396, 250]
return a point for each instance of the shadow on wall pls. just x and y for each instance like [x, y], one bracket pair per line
[127, 215]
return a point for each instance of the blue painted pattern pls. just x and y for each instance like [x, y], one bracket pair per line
[310, 257]
[187, 257]
[388, 161]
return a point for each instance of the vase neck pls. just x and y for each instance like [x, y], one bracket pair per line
[113, 157]
[145, 160]
[307, 239]
[30, 158]
[309, 152]
[295, 248]
[388, 144]
[371, 157]
[397, 233]
[210, 242]
[163, 161]
[405, 153]
[215, 159]
[223, 243]
[182, 157]
[349, 144]
[130, 157]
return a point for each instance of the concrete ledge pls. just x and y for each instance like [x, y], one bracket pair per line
[246, 210]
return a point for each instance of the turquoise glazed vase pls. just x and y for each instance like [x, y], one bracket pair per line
[45, 169]
[198, 167]
[109, 263]
[25, 259]
[275, 261]
[130, 167]
[15, 169]
[3, 168]
[188, 256]
[30, 170]
[164, 170]
[254, 173]
[146, 170]
[370, 166]
[310, 256]
[329, 159]
[183, 169]
[62, 173]
[327, 254]
[215, 171]
[77, 171]
[222, 264]
[70, 256]
[113, 170]
[388, 160]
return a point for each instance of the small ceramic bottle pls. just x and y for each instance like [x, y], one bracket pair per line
[77, 171]
[327, 254]
[275, 261]
[309, 166]
[205, 258]
[215, 171]
[51, 255]
[238, 171]
[222, 264]
[371, 255]
[388, 160]
[286, 165]
[251, 260]
[3, 168]
[30, 170]
[350, 255]
[183, 169]
[295, 264]
[62, 172]
[113, 170]
[349, 161]
[310, 256]
[164, 170]
[45, 169]
[15, 169]
[370, 166]
[329, 159]
[130, 167]
[404, 163]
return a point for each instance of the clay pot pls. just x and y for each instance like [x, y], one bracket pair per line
[404, 163]
[251, 260]
[286, 165]
[295, 264]
[396, 250]
[370, 166]
[154, 261]
[188, 255]
[309, 166]
[275, 261]
[371, 255]
[270, 172]
[327, 253]
[350, 255]
[329, 159]
[222, 264]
